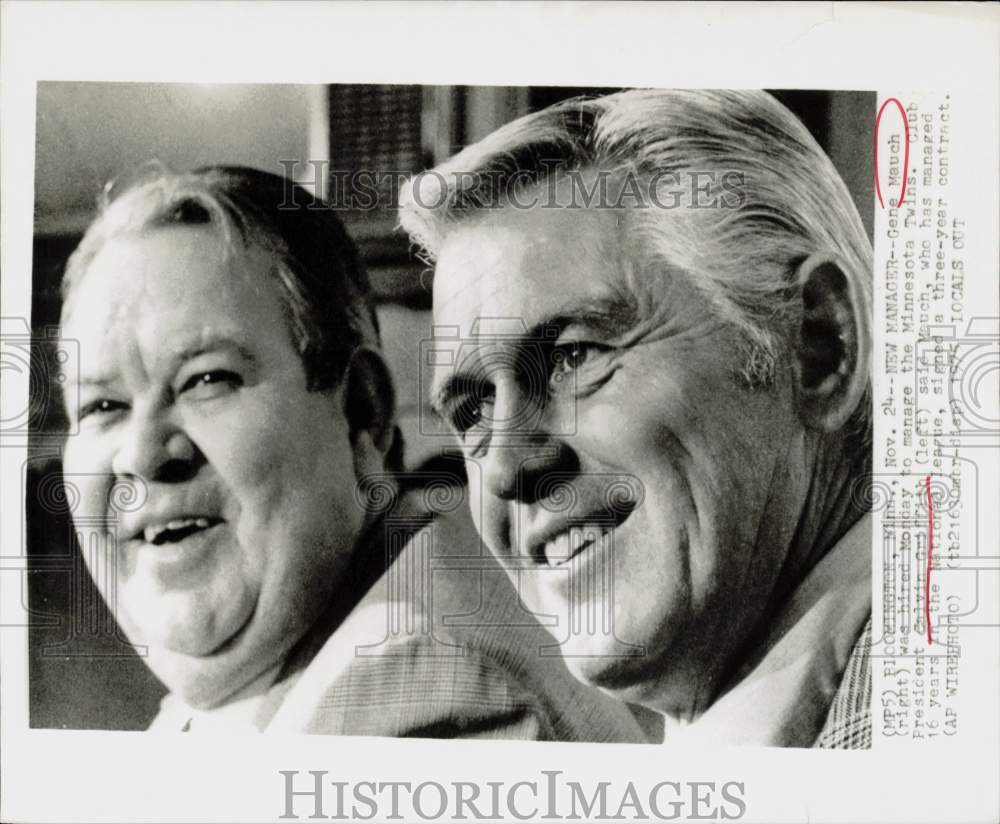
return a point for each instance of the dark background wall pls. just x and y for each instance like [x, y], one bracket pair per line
[83, 674]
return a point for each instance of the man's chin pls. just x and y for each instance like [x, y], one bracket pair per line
[193, 639]
[202, 681]
[666, 680]
[183, 626]
[635, 673]
[601, 662]
[204, 669]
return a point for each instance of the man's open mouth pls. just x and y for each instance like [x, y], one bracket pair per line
[177, 529]
[579, 535]
[572, 542]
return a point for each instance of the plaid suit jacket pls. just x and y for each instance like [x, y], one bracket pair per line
[848, 724]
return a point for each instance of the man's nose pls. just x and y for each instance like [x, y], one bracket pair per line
[154, 448]
[523, 449]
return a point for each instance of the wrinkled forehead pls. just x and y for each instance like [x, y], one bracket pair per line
[114, 258]
[512, 263]
[157, 286]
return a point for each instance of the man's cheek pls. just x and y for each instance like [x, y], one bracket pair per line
[240, 454]
[487, 513]
[475, 497]
[87, 482]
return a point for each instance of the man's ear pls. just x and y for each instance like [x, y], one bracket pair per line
[834, 343]
[369, 406]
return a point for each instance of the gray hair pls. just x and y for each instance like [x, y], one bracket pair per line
[323, 288]
[793, 202]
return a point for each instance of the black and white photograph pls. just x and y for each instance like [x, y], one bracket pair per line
[544, 443]
[614, 343]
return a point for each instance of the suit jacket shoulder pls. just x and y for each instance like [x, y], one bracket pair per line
[849, 722]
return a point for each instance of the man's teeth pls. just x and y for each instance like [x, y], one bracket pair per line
[567, 544]
[151, 533]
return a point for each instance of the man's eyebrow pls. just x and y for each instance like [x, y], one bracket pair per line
[182, 353]
[95, 381]
[610, 318]
[208, 345]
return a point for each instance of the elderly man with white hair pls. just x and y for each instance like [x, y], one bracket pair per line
[654, 310]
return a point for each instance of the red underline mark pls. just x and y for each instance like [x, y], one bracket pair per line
[930, 555]
[906, 151]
